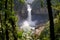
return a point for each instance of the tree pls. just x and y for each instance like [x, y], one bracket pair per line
[2, 29]
[52, 34]
[56, 6]
[8, 20]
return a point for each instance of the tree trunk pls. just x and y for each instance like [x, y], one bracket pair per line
[52, 34]
[7, 34]
[13, 24]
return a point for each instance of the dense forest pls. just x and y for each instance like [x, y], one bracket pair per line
[9, 29]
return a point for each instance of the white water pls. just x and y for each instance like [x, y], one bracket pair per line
[28, 24]
[29, 12]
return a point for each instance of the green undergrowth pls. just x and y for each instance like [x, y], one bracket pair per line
[45, 35]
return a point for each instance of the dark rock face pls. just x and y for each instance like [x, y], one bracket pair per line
[40, 11]
[20, 9]
[37, 9]
[23, 12]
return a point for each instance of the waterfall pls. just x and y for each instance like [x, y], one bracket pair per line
[29, 12]
[28, 24]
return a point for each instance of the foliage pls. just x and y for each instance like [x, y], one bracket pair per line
[57, 29]
[8, 20]
[22, 1]
[56, 4]
[45, 35]
[22, 35]
[42, 3]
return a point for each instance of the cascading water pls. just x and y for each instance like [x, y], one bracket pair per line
[29, 12]
[29, 18]
[28, 24]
